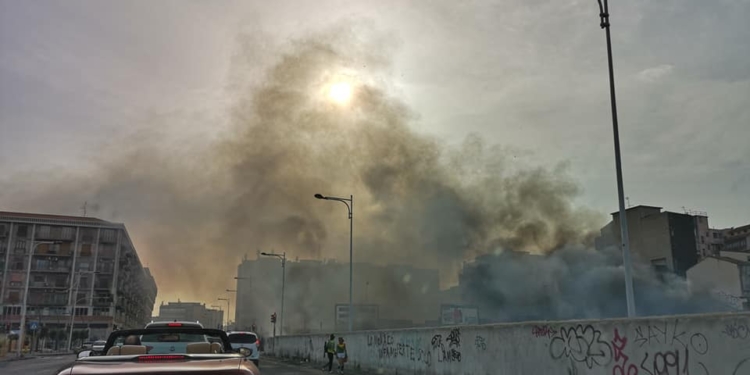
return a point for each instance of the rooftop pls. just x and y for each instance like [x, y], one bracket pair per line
[27, 215]
[638, 207]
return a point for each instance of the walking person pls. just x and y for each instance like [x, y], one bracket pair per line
[341, 354]
[329, 348]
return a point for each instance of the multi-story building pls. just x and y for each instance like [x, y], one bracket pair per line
[80, 263]
[401, 295]
[669, 241]
[190, 312]
[737, 239]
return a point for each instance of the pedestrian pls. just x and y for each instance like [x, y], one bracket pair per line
[329, 348]
[341, 354]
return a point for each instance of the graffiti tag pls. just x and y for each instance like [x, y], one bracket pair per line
[581, 344]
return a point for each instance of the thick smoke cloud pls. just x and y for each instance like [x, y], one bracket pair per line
[574, 283]
[195, 206]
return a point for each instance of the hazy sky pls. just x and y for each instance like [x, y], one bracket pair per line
[526, 74]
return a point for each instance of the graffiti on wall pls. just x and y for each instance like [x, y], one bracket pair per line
[736, 329]
[543, 331]
[582, 344]
[387, 348]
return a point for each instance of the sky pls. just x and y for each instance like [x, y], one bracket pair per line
[81, 79]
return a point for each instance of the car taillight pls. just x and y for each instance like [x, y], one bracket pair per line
[174, 324]
[257, 342]
[158, 358]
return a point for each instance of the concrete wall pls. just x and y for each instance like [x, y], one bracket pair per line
[677, 345]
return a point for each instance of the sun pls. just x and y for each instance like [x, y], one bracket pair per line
[340, 92]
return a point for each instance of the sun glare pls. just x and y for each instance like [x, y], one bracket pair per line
[340, 92]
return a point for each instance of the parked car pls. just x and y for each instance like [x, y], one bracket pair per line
[98, 346]
[246, 339]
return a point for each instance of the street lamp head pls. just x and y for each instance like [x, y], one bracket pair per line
[320, 196]
[264, 254]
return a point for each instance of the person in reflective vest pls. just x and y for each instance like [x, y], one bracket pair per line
[329, 348]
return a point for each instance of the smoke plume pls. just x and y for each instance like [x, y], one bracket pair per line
[195, 205]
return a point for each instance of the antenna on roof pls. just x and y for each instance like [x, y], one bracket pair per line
[628, 199]
[83, 208]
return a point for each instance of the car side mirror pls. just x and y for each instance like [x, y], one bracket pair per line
[245, 352]
[84, 354]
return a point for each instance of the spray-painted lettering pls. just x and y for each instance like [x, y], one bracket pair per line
[454, 338]
[480, 343]
[543, 331]
[379, 339]
[737, 330]
[621, 359]
[581, 344]
[666, 334]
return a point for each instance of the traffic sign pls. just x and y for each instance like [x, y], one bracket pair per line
[34, 326]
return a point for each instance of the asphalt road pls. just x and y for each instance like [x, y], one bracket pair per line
[49, 366]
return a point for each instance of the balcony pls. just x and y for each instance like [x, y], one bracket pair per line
[61, 269]
[47, 285]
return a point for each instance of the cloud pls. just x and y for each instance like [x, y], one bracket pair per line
[656, 73]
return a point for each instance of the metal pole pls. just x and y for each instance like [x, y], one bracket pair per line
[283, 282]
[351, 259]
[73, 312]
[604, 14]
[22, 328]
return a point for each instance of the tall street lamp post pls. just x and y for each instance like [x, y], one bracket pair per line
[604, 17]
[350, 208]
[73, 307]
[283, 278]
[220, 309]
[236, 301]
[22, 328]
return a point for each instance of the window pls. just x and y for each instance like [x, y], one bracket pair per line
[11, 310]
[106, 266]
[101, 311]
[16, 264]
[43, 232]
[87, 235]
[22, 231]
[85, 250]
[67, 233]
[82, 310]
[83, 266]
[3, 230]
[108, 235]
[106, 251]
[14, 297]
[21, 244]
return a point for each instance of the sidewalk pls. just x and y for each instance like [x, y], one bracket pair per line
[315, 365]
[12, 356]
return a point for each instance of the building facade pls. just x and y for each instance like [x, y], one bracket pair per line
[91, 266]
[669, 241]
[726, 277]
[190, 312]
[317, 292]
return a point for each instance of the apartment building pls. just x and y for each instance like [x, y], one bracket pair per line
[669, 241]
[80, 263]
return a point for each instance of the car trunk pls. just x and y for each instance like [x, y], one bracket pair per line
[225, 366]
